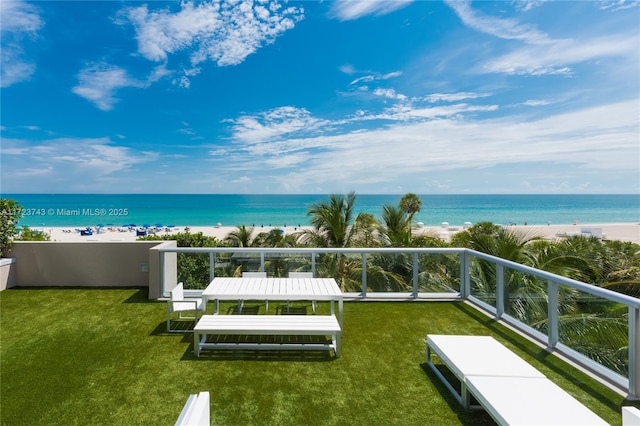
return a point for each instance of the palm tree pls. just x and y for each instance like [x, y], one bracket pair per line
[333, 223]
[240, 237]
[334, 220]
[411, 204]
[396, 231]
[365, 234]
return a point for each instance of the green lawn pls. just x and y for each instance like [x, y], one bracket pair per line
[102, 356]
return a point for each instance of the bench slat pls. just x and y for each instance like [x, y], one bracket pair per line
[267, 323]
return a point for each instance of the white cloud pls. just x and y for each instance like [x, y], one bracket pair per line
[454, 97]
[20, 21]
[373, 76]
[409, 112]
[224, 32]
[537, 102]
[541, 54]
[592, 141]
[556, 58]
[31, 172]
[99, 82]
[527, 5]
[499, 27]
[348, 69]
[274, 124]
[346, 10]
[389, 93]
[74, 164]
[618, 4]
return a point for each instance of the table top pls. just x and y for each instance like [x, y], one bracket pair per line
[479, 355]
[273, 289]
[530, 401]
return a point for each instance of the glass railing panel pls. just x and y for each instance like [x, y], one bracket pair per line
[345, 268]
[482, 276]
[389, 272]
[280, 264]
[243, 261]
[439, 273]
[526, 298]
[193, 270]
[595, 327]
[224, 264]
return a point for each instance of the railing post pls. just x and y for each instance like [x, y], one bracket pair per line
[500, 293]
[415, 275]
[465, 275]
[634, 353]
[553, 332]
[262, 261]
[364, 274]
[212, 266]
[313, 264]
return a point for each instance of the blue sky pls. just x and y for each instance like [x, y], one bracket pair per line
[320, 97]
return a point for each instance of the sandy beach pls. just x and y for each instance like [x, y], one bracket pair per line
[609, 231]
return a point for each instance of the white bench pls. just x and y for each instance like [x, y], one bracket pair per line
[267, 325]
[196, 411]
[511, 390]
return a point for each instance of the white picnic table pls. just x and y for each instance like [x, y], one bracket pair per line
[276, 289]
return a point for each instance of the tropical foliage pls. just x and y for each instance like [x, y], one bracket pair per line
[10, 214]
[28, 234]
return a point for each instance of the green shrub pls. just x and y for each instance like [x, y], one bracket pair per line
[10, 214]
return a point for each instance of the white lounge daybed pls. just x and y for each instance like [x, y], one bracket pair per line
[196, 411]
[511, 390]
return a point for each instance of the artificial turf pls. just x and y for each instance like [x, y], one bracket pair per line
[103, 357]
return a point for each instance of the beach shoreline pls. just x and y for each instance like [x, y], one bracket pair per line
[608, 231]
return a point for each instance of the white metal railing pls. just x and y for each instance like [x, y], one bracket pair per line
[498, 307]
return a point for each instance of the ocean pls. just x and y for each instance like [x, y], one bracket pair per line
[77, 210]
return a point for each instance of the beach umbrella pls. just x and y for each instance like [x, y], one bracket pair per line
[146, 225]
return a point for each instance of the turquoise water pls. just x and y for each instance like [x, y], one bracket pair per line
[291, 210]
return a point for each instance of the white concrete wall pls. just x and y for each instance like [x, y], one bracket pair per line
[7, 273]
[90, 264]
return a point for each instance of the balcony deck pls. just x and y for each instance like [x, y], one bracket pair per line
[103, 356]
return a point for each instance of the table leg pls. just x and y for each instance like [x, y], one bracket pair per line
[464, 394]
